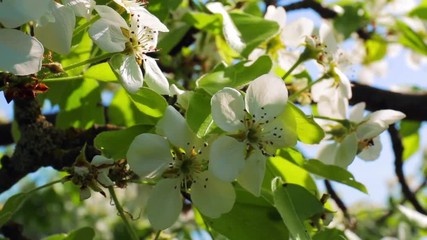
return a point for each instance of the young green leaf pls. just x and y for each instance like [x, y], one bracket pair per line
[295, 204]
[307, 129]
[12, 205]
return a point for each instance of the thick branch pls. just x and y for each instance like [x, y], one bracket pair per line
[41, 144]
[413, 105]
[398, 164]
[323, 11]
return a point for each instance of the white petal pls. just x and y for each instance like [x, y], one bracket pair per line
[372, 152]
[327, 153]
[14, 13]
[332, 106]
[322, 88]
[99, 160]
[369, 130]
[227, 108]
[111, 16]
[81, 8]
[57, 35]
[266, 97]
[227, 158]
[280, 132]
[385, 117]
[165, 203]
[356, 114]
[148, 154]
[107, 36]
[344, 85]
[294, 33]
[418, 218]
[212, 196]
[148, 19]
[175, 128]
[231, 33]
[287, 59]
[277, 15]
[326, 34]
[24, 53]
[252, 174]
[127, 71]
[346, 151]
[154, 77]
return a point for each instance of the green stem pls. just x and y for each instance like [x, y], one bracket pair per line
[298, 62]
[89, 61]
[85, 25]
[46, 185]
[157, 235]
[119, 208]
[342, 121]
[309, 85]
[78, 77]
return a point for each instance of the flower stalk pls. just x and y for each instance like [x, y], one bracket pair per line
[119, 208]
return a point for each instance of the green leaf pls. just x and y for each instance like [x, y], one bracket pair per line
[82, 107]
[420, 11]
[326, 171]
[328, 234]
[12, 205]
[114, 144]
[84, 233]
[289, 172]
[203, 21]
[172, 38]
[307, 129]
[251, 219]
[123, 112]
[245, 24]
[376, 49]
[234, 76]
[149, 102]
[354, 17]
[409, 38]
[198, 115]
[295, 204]
[101, 72]
[161, 8]
[410, 137]
[79, 53]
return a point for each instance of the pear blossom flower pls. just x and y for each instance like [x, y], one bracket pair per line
[131, 43]
[90, 175]
[257, 126]
[179, 160]
[24, 53]
[289, 36]
[362, 139]
[81, 8]
[331, 94]
[55, 28]
[231, 33]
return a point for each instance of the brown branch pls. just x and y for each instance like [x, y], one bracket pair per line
[12, 230]
[413, 105]
[398, 164]
[41, 144]
[341, 205]
[323, 11]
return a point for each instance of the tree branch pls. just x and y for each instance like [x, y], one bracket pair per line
[323, 11]
[341, 205]
[41, 144]
[413, 105]
[398, 163]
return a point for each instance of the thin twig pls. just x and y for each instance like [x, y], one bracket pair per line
[337, 199]
[398, 164]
